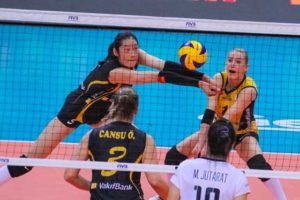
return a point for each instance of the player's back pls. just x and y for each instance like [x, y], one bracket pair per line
[116, 142]
[204, 179]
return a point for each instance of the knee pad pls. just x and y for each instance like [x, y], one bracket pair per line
[259, 162]
[16, 171]
[174, 157]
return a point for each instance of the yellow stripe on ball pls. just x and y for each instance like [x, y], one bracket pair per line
[192, 54]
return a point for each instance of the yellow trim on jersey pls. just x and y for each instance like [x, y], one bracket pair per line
[93, 186]
[96, 82]
[227, 98]
[131, 174]
[90, 102]
[91, 155]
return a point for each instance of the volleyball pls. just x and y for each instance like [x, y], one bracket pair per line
[192, 54]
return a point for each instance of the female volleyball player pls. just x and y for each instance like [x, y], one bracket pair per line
[89, 103]
[235, 103]
[211, 175]
[117, 141]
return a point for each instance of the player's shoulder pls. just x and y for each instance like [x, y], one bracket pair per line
[237, 172]
[250, 80]
[249, 83]
[109, 64]
[191, 162]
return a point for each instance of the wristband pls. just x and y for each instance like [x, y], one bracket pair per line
[174, 78]
[177, 68]
[208, 116]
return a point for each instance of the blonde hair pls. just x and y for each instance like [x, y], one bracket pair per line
[243, 51]
[124, 104]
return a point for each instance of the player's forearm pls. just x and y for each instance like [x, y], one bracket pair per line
[233, 116]
[80, 182]
[158, 183]
[161, 189]
[180, 69]
[177, 79]
[142, 78]
[174, 193]
[72, 176]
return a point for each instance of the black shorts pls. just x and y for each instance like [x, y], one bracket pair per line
[79, 109]
[239, 138]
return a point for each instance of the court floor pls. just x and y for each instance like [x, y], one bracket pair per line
[48, 183]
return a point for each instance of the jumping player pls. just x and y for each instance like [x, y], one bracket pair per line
[89, 103]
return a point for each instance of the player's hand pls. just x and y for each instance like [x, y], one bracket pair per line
[200, 148]
[210, 89]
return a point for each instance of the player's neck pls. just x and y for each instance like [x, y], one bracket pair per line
[216, 157]
[232, 84]
[122, 119]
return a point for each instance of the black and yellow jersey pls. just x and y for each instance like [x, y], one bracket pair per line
[118, 142]
[227, 98]
[89, 103]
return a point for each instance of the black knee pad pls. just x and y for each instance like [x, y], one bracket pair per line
[16, 171]
[174, 157]
[259, 162]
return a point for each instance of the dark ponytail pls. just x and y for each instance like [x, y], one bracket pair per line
[110, 52]
[221, 136]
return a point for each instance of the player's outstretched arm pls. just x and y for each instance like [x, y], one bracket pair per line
[127, 76]
[208, 117]
[169, 66]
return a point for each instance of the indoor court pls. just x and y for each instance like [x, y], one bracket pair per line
[48, 49]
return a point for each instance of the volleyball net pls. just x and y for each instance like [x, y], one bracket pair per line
[42, 61]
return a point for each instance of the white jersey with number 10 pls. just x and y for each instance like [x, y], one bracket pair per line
[208, 179]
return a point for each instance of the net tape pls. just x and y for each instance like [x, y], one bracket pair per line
[130, 167]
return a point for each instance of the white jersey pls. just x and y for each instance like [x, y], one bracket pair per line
[208, 179]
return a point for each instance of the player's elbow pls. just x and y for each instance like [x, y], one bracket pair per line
[159, 185]
[154, 183]
[69, 176]
[155, 180]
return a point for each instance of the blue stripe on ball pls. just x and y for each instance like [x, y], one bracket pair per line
[182, 58]
[203, 50]
[190, 44]
[197, 65]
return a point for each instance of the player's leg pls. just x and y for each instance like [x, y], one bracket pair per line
[250, 151]
[51, 136]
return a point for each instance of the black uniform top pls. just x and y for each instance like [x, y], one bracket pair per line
[116, 142]
[89, 103]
